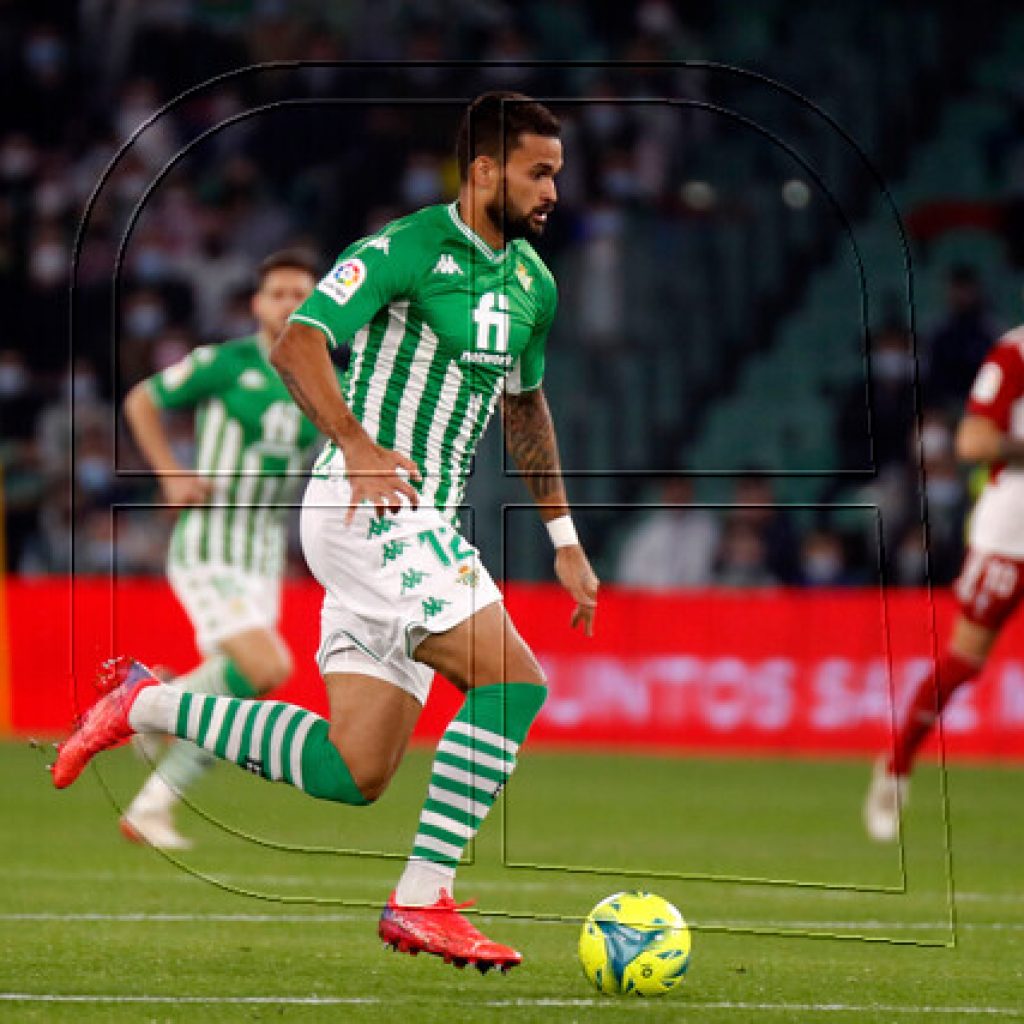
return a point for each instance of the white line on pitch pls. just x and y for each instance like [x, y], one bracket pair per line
[158, 918]
[519, 884]
[524, 885]
[675, 1005]
[136, 917]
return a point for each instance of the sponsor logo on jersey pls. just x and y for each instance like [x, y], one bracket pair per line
[502, 359]
[524, 278]
[344, 280]
[253, 380]
[447, 265]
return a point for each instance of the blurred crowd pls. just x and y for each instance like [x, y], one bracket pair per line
[754, 541]
[81, 81]
[155, 274]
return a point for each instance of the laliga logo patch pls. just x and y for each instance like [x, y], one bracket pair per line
[344, 280]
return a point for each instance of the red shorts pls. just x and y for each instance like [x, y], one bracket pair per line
[989, 588]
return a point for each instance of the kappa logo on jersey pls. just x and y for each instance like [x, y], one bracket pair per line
[344, 280]
[383, 244]
[253, 380]
[447, 265]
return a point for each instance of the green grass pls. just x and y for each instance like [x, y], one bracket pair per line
[822, 927]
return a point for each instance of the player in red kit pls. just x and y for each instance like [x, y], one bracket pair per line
[991, 582]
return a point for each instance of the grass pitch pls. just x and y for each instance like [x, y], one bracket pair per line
[797, 917]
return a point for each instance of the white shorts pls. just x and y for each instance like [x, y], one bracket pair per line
[388, 583]
[222, 601]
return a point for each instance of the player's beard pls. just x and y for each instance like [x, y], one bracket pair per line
[509, 220]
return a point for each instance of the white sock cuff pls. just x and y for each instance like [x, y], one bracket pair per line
[422, 881]
[155, 709]
[207, 677]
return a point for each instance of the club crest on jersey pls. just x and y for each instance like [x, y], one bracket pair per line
[523, 276]
[447, 265]
[468, 576]
[344, 280]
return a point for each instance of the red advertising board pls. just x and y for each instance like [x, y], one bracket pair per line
[771, 671]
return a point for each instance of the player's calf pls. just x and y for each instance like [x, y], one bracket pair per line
[278, 741]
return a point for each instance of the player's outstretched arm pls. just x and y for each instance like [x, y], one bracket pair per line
[530, 439]
[180, 485]
[300, 357]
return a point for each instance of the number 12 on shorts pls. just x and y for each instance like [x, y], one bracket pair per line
[446, 549]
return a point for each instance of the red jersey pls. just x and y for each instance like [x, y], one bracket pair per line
[997, 523]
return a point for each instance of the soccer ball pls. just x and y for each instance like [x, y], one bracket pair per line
[634, 943]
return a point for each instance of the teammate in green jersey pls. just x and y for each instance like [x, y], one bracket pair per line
[227, 550]
[449, 310]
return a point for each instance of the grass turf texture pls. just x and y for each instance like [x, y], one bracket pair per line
[85, 914]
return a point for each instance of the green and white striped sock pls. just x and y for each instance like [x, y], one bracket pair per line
[184, 763]
[474, 760]
[280, 742]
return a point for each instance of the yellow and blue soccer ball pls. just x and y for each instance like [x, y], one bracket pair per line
[634, 943]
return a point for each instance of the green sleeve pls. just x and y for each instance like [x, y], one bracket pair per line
[528, 372]
[365, 278]
[204, 372]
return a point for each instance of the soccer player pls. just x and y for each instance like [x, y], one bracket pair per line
[991, 582]
[227, 552]
[449, 309]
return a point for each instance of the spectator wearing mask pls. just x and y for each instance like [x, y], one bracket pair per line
[674, 546]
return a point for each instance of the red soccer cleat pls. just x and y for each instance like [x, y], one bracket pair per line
[105, 724]
[441, 930]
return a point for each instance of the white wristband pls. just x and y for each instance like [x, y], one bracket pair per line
[562, 532]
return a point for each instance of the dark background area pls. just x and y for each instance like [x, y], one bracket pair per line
[734, 288]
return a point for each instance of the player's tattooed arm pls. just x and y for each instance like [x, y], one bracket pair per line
[530, 439]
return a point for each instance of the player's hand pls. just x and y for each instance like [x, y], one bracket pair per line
[186, 489]
[380, 477]
[575, 574]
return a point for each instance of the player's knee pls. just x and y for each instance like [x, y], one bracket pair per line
[280, 668]
[269, 673]
[523, 667]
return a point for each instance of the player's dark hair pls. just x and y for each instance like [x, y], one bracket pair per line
[287, 259]
[493, 114]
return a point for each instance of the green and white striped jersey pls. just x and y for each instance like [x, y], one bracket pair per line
[440, 324]
[251, 441]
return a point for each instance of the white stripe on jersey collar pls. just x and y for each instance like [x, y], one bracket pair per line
[453, 212]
